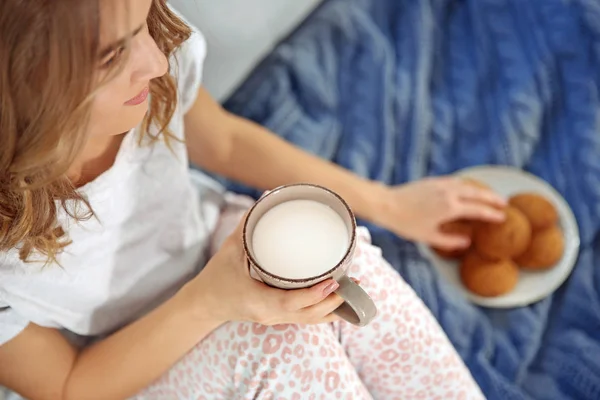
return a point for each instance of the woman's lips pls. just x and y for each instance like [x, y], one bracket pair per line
[140, 98]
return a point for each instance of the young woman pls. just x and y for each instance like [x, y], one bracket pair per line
[109, 288]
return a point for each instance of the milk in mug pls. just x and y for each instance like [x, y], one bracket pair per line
[300, 239]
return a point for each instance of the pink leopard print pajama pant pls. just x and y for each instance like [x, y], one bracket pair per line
[403, 354]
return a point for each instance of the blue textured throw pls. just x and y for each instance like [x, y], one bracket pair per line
[400, 89]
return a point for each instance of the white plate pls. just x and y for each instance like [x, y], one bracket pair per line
[532, 286]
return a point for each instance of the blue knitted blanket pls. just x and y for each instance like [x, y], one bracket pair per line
[396, 90]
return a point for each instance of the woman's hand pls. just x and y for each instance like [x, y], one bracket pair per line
[226, 292]
[417, 210]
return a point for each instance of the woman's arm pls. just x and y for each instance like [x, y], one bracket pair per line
[246, 152]
[41, 364]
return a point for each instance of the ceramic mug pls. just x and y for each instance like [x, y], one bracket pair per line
[358, 308]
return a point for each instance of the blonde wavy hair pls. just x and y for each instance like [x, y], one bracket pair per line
[48, 59]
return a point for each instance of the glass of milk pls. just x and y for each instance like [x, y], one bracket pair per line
[298, 235]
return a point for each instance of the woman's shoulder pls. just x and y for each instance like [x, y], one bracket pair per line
[187, 65]
[11, 322]
[189, 57]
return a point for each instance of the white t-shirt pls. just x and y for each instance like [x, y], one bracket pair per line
[154, 218]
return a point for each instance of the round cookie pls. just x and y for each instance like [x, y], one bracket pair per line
[540, 212]
[488, 278]
[546, 249]
[459, 227]
[507, 239]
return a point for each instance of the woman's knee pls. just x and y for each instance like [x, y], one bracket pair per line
[278, 359]
[241, 358]
[249, 344]
[376, 275]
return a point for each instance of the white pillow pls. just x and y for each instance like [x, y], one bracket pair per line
[239, 34]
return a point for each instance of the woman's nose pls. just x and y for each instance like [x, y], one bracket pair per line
[150, 62]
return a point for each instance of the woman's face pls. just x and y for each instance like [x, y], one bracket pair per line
[122, 102]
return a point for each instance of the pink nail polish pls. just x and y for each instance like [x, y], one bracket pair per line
[332, 287]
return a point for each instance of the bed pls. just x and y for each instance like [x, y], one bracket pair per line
[401, 89]
[398, 90]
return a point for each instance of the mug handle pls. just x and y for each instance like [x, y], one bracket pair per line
[358, 307]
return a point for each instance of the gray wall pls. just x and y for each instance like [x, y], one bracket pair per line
[239, 34]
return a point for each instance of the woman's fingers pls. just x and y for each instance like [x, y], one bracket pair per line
[446, 241]
[313, 305]
[327, 319]
[321, 310]
[478, 211]
[299, 299]
[475, 194]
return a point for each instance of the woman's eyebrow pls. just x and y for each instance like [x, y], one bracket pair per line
[112, 47]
